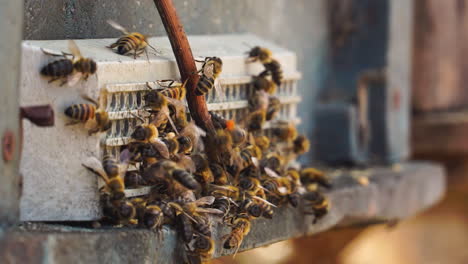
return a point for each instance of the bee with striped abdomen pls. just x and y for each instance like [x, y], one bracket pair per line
[174, 90]
[264, 56]
[112, 173]
[131, 42]
[316, 204]
[96, 119]
[211, 69]
[241, 227]
[70, 71]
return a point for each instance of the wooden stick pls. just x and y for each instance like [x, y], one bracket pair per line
[183, 54]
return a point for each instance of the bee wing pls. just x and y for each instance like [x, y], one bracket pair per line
[263, 200]
[95, 166]
[73, 78]
[209, 210]
[271, 173]
[207, 200]
[157, 51]
[90, 124]
[221, 187]
[219, 90]
[283, 190]
[117, 26]
[255, 162]
[208, 70]
[186, 162]
[161, 147]
[74, 48]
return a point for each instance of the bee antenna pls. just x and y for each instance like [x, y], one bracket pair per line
[247, 44]
[155, 50]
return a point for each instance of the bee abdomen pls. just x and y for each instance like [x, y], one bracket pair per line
[126, 44]
[85, 66]
[204, 85]
[58, 68]
[276, 72]
[81, 112]
[186, 179]
[110, 166]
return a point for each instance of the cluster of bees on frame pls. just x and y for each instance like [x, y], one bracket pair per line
[232, 175]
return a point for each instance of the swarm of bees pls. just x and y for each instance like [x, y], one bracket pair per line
[247, 174]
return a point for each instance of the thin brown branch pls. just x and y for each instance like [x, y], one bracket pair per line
[183, 54]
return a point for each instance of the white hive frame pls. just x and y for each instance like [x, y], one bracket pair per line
[56, 186]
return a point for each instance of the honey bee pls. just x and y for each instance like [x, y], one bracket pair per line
[172, 145]
[273, 108]
[263, 142]
[70, 71]
[252, 208]
[111, 172]
[195, 133]
[228, 191]
[271, 65]
[185, 144]
[261, 82]
[203, 250]
[96, 119]
[274, 162]
[259, 101]
[145, 133]
[312, 175]
[211, 69]
[134, 179]
[250, 171]
[219, 173]
[153, 217]
[157, 104]
[301, 145]
[203, 172]
[184, 226]
[202, 226]
[315, 203]
[174, 90]
[285, 131]
[241, 227]
[256, 120]
[238, 136]
[251, 187]
[278, 186]
[157, 172]
[223, 204]
[219, 122]
[194, 209]
[250, 155]
[131, 42]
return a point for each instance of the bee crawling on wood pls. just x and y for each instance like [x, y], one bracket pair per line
[131, 42]
[68, 70]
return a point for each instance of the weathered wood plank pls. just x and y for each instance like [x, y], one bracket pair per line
[10, 45]
[392, 193]
[440, 55]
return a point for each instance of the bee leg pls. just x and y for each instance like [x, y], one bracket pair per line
[93, 131]
[71, 123]
[64, 81]
[86, 77]
[87, 98]
[53, 79]
[147, 57]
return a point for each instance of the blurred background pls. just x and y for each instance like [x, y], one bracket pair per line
[318, 31]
